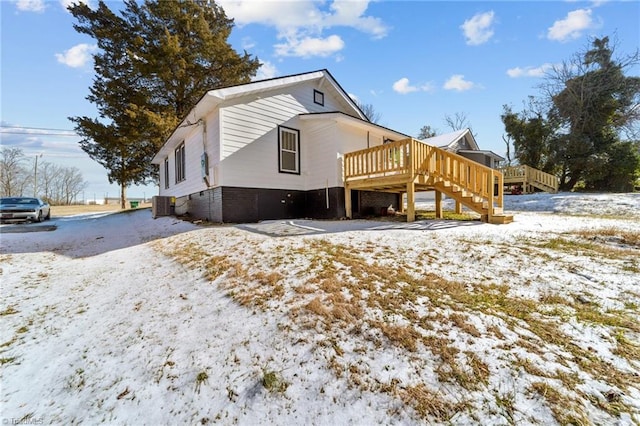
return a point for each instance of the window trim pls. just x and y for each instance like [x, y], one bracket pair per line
[318, 97]
[181, 163]
[295, 132]
[166, 173]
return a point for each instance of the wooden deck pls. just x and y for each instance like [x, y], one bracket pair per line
[408, 166]
[529, 178]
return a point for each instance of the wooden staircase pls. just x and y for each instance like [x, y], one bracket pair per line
[408, 166]
[474, 202]
[529, 178]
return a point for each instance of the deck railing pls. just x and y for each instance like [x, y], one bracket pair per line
[527, 174]
[412, 158]
[383, 160]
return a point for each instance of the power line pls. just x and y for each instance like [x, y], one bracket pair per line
[39, 134]
[36, 128]
[39, 131]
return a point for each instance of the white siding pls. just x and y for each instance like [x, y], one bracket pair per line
[320, 153]
[256, 164]
[213, 146]
[193, 182]
[163, 190]
[249, 135]
[354, 139]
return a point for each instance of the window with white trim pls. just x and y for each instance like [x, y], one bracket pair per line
[180, 163]
[166, 173]
[288, 150]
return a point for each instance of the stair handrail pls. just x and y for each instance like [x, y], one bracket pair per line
[480, 180]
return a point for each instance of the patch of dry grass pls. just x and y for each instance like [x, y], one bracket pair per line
[381, 303]
[430, 404]
[566, 410]
[91, 208]
[611, 235]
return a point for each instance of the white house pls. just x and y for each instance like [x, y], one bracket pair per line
[463, 143]
[269, 149]
[279, 148]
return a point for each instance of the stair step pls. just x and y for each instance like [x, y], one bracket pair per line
[470, 200]
[500, 219]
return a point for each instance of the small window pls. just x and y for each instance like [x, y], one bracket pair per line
[318, 97]
[288, 150]
[166, 173]
[180, 163]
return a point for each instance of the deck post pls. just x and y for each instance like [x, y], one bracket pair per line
[458, 207]
[411, 202]
[347, 201]
[401, 206]
[438, 204]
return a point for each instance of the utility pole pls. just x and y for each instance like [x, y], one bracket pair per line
[35, 176]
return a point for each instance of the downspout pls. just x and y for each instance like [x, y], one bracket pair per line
[205, 159]
[327, 193]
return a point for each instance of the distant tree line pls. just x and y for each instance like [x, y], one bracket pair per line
[58, 185]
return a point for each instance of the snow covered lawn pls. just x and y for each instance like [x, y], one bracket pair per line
[122, 319]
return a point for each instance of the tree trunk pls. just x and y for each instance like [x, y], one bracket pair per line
[123, 196]
[568, 186]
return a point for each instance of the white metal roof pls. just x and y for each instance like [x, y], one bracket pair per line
[449, 139]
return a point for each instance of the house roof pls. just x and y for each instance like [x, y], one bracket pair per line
[485, 152]
[215, 97]
[448, 140]
[353, 121]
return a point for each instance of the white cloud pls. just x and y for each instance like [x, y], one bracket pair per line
[477, 30]
[571, 27]
[78, 56]
[353, 97]
[266, 71]
[30, 5]
[529, 71]
[301, 24]
[403, 87]
[349, 13]
[457, 82]
[310, 46]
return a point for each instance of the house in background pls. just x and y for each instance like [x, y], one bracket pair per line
[269, 149]
[299, 146]
[463, 143]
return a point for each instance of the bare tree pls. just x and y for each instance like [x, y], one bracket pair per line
[507, 140]
[49, 176]
[368, 110]
[57, 184]
[65, 185]
[459, 121]
[14, 176]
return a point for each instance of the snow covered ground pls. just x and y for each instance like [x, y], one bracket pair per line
[123, 319]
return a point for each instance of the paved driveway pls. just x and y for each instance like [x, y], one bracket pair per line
[21, 227]
[284, 228]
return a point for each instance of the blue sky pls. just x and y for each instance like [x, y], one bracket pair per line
[414, 61]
